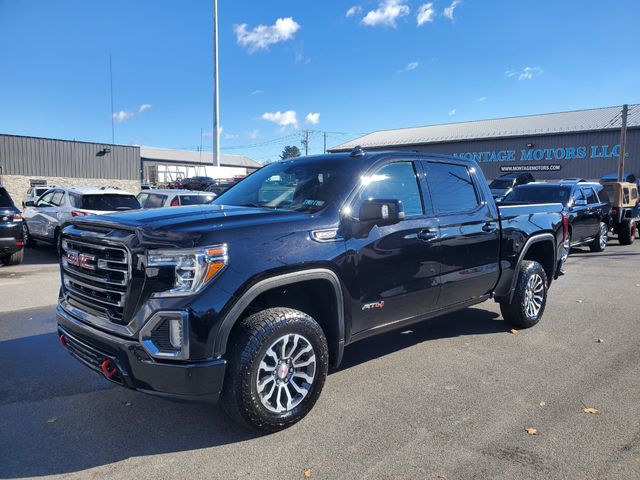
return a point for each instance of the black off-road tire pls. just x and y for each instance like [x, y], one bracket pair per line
[599, 243]
[518, 312]
[626, 232]
[247, 347]
[14, 258]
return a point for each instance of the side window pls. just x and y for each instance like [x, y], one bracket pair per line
[603, 195]
[46, 200]
[57, 198]
[625, 195]
[395, 181]
[590, 195]
[634, 194]
[452, 188]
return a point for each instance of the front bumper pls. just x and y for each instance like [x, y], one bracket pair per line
[191, 381]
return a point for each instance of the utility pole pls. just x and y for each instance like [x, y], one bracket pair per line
[305, 142]
[113, 131]
[623, 142]
[216, 112]
[325, 141]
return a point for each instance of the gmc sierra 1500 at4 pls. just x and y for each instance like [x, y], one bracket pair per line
[251, 299]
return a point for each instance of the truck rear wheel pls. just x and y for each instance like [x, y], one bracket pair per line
[277, 367]
[626, 232]
[14, 259]
[529, 298]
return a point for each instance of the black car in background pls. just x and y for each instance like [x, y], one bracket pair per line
[221, 185]
[586, 205]
[11, 230]
[502, 185]
[196, 183]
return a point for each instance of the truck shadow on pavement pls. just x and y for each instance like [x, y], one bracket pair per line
[58, 417]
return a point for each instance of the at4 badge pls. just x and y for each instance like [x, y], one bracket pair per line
[369, 306]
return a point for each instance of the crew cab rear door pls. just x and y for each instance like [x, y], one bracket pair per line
[396, 267]
[469, 231]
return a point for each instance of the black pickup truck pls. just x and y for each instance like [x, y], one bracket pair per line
[252, 298]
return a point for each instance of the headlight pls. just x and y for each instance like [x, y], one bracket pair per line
[194, 267]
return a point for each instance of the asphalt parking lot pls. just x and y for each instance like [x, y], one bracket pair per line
[448, 399]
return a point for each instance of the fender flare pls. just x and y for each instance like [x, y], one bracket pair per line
[538, 238]
[229, 320]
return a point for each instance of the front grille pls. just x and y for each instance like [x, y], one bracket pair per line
[96, 277]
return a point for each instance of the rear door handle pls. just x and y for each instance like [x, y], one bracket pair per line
[427, 235]
[489, 227]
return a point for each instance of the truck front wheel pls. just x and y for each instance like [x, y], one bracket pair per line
[277, 367]
[529, 297]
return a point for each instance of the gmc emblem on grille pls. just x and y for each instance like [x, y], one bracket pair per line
[82, 260]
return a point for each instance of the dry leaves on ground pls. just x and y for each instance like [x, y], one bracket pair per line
[531, 431]
[578, 301]
[513, 331]
[543, 403]
[590, 410]
[308, 473]
[600, 340]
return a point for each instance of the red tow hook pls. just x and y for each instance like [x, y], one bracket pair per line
[108, 368]
[63, 340]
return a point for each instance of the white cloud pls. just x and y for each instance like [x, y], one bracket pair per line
[253, 134]
[230, 136]
[283, 119]
[527, 73]
[386, 14]
[481, 99]
[448, 11]
[452, 112]
[264, 35]
[122, 115]
[312, 118]
[410, 66]
[256, 92]
[355, 10]
[426, 14]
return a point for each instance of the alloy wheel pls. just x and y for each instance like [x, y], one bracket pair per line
[603, 235]
[534, 295]
[286, 373]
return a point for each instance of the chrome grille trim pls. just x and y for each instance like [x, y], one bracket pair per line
[101, 282]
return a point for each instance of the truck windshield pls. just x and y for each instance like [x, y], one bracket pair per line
[300, 185]
[539, 194]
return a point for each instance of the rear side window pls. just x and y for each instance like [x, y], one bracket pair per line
[603, 195]
[590, 195]
[151, 200]
[58, 199]
[5, 199]
[451, 187]
[196, 199]
[396, 181]
[109, 202]
[625, 195]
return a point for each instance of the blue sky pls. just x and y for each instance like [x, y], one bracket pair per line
[355, 66]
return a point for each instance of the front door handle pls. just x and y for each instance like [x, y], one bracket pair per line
[490, 227]
[427, 235]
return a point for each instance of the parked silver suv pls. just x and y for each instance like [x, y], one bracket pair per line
[158, 198]
[44, 217]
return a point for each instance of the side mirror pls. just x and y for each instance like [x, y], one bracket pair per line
[581, 203]
[377, 212]
[29, 203]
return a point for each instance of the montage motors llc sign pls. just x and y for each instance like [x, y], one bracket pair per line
[543, 154]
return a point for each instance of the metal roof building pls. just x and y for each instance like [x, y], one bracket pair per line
[194, 158]
[581, 143]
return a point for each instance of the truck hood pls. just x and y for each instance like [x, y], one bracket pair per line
[185, 226]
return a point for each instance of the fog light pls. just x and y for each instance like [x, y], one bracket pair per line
[175, 333]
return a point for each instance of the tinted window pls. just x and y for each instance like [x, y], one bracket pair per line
[40, 191]
[604, 195]
[590, 195]
[539, 194]
[58, 198]
[151, 200]
[452, 189]
[501, 184]
[396, 181]
[625, 195]
[109, 202]
[634, 193]
[5, 199]
[196, 199]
